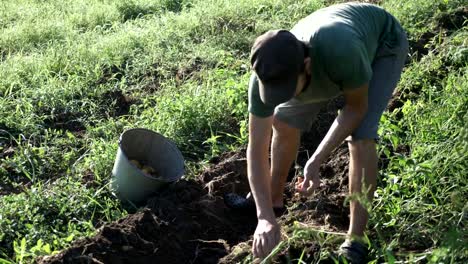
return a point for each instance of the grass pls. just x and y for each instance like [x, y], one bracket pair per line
[182, 67]
[422, 204]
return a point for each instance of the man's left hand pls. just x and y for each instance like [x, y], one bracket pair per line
[311, 179]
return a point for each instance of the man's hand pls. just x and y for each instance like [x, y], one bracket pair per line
[311, 180]
[347, 121]
[266, 237]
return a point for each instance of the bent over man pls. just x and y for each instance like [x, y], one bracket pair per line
[353, 49]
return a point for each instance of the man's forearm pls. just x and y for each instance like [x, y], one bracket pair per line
[259, 179]
[345, 123]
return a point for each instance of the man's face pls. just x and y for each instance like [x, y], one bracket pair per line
[302, 79]
[301, 83]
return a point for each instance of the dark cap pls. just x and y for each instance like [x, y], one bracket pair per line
[277, 58]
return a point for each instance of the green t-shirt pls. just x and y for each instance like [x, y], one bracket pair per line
[342, 41]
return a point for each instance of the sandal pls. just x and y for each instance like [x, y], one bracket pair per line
[246, 205]
[353, 251]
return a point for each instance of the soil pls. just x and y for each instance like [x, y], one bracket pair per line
[8, 149]
[186, 223]
[324, 210]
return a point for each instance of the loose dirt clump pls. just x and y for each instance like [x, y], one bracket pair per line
[326, 207]
[229, 175]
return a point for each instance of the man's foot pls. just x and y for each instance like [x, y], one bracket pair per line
[353, 251]
[247, 205]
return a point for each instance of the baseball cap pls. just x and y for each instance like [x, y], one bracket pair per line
[277, 58]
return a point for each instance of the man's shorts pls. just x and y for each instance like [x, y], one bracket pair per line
[386, 67]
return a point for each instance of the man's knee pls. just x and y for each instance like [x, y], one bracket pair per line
[284, 130]
[362, 145]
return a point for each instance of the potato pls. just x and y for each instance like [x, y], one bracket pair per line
[148, 170]
[136, 163]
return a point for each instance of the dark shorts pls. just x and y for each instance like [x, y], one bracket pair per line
[386, 67]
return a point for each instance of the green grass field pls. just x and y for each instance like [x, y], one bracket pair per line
[75, 74]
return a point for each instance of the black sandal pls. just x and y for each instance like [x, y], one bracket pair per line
[353, 251]
[245, 205]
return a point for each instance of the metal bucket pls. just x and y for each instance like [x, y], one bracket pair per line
[128, 181]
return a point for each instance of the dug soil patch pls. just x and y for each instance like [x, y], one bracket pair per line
[189, 222]
[186, 223]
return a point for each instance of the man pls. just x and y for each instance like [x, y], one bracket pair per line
[353, 49]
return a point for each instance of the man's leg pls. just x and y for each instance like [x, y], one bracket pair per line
[387, 68]
[362, 173]
[284, 146]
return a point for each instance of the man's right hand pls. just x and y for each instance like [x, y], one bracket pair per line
[266, 237]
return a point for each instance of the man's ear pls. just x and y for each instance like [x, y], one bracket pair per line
[307, 64]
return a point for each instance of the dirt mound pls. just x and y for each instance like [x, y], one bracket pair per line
[183, 224]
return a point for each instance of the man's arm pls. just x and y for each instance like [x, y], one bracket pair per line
[258, 166]
[267, 234]
[345, 123]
